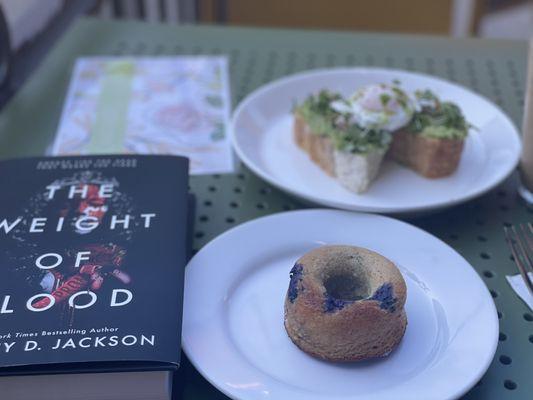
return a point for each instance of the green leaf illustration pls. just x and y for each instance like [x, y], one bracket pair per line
[214, 101]
[218, 133]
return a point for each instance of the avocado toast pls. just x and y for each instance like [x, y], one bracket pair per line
[348, 137]
[432, 143]
[340, 147]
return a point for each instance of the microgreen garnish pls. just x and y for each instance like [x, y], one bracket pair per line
[385, 98]
[347, 136]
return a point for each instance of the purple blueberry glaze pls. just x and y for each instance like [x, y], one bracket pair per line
[332, 304]
[296, 277]
[385, 295]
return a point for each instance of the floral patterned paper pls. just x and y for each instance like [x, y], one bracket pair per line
[177, 105]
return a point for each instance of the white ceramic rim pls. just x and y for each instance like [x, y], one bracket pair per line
[257, 221]
[254, 167]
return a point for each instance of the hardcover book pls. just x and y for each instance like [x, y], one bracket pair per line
[92, 257]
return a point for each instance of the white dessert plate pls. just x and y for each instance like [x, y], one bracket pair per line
[235, 288]
[262, 138]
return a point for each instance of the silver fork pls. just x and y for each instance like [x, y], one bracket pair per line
[520, 240]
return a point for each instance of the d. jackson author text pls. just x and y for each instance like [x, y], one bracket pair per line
[85, 342]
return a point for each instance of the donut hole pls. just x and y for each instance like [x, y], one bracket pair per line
[347, 286]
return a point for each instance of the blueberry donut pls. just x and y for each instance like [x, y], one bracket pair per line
[345, 303]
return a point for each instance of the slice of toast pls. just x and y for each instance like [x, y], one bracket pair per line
[354, 171]
[430, 157]
[319, 148]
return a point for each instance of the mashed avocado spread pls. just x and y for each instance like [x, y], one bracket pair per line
[431, 118]
[436, 119]
[317, 112]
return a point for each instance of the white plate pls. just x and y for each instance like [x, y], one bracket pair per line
[262, 137]
[233, 329]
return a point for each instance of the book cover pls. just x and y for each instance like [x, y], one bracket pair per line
[149, 105]
[92, 256]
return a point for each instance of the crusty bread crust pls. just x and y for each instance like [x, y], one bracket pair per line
[353, 171]
[430, 157]
[360, 330]
[319, 148]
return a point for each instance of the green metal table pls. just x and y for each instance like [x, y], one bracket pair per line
[496, 69]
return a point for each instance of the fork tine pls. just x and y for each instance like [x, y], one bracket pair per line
[529, 234]
[510, 235]
[523, 242]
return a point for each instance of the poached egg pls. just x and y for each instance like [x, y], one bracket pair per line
[377, 106]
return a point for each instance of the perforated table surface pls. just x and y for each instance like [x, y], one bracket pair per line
[495, 69]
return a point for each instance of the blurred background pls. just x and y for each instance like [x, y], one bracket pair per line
[28, 28]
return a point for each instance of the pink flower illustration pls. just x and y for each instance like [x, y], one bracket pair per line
[182, 117]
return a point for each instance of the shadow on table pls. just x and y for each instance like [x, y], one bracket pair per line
[190, 385]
